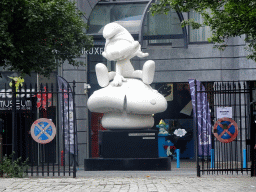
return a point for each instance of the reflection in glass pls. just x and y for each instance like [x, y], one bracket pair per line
[163, 24]
[127, 15]
[201, 34]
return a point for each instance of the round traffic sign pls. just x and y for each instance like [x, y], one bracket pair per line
[43, 130]
[225, 130]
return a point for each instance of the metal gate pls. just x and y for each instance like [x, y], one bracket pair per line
[38, 123]
[225, 127]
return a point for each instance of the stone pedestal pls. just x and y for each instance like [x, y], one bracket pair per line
[128, 150]
[128, 143]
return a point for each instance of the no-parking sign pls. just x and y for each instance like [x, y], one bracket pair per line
[225, 130]
[43, 130]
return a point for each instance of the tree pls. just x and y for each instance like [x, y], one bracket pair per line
[39, 35]
[227, 18]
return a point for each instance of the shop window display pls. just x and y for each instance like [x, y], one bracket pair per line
[178, 116]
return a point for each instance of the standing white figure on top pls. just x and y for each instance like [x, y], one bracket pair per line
[121, 47]
[127, 102]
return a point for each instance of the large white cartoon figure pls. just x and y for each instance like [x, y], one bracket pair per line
[128, 101]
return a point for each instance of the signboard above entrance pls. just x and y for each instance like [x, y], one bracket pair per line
[23, 100]
[95, 51]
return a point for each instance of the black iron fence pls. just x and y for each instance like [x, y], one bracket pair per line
[38, 123]
[225, 127]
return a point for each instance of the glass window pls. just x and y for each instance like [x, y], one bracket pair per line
[127, 15]
[201, 34]
[162, 24]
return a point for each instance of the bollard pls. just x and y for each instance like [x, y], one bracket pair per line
[178, 158]
[244, 158]
[212, 158]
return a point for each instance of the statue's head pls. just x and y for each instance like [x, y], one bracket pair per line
[120, 44]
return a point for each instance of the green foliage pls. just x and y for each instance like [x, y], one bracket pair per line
[35, 34]
[13, 169]
[227, 18]
[191, 22]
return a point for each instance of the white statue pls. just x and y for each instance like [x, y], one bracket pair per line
[127, 102]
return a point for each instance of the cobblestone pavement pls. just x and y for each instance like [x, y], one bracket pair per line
[184, 180]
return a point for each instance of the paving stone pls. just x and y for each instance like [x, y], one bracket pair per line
[133, 181]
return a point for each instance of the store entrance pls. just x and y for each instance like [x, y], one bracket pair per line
[20, 141]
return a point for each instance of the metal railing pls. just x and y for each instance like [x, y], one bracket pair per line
[39, 123]
[224, 120]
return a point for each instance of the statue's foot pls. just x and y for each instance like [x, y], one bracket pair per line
[102, 74]
[148, 72]
[127, 121]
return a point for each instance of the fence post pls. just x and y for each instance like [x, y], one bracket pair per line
[13, 120]
[196, 128]
[75, 139]
[1, 151]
